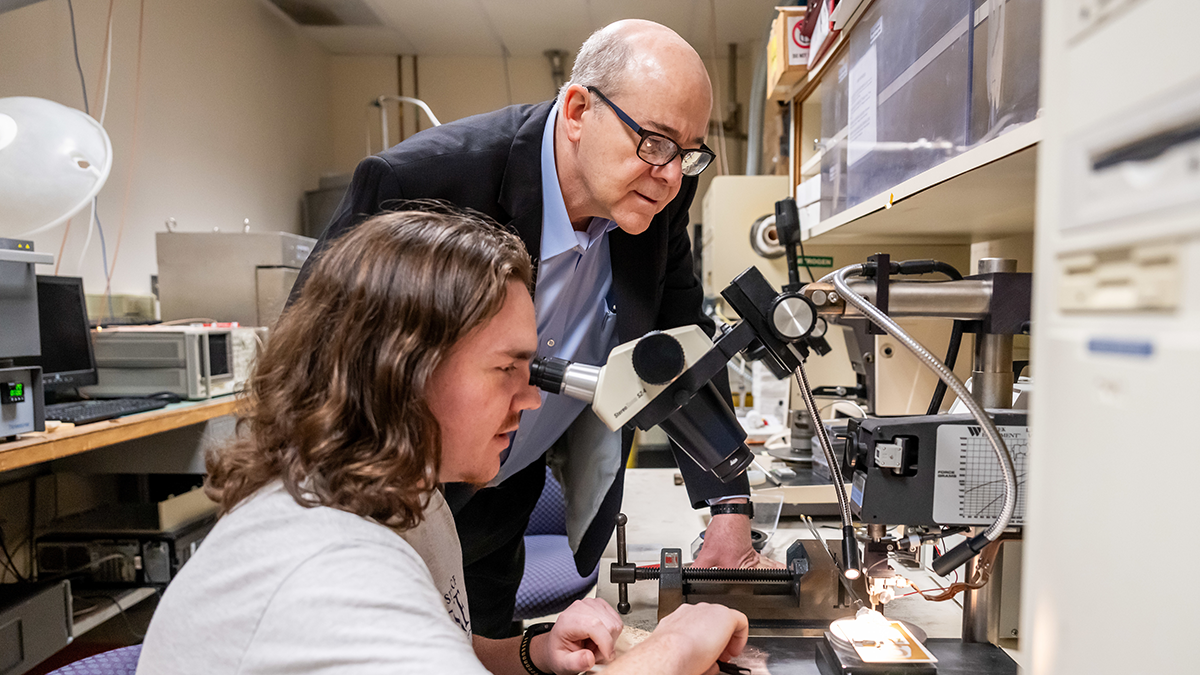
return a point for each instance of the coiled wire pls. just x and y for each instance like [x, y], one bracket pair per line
[945, 375]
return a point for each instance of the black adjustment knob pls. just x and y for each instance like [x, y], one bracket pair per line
[658, 358]
[819, 329]
[792, 316]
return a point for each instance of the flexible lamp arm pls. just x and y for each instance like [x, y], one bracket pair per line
[967, 549]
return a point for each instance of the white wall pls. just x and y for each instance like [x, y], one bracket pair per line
[241, 112]
[460, 86]
[354, 82]
[731, 162]
[454, 87]
[234, 118]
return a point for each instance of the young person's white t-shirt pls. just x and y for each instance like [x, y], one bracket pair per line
[280, 588]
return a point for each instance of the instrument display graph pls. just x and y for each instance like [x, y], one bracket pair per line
[969, 486]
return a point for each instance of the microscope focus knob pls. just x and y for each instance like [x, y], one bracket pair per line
[792, 316]
[658, 358]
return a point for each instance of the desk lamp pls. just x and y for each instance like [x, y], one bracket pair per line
[53, 161]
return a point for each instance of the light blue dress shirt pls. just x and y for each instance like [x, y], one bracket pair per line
[576, 313]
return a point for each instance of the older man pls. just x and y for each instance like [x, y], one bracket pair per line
[597, 184]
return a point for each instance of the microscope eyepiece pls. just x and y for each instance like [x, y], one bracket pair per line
[558, 376]
[547, 372]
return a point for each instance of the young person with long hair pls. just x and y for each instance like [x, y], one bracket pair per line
[402, 365]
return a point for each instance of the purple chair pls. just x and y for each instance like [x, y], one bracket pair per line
[121, 661]
[551, 582]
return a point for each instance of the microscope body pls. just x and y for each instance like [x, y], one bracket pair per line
[621, 393]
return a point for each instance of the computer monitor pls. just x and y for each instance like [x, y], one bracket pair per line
[67, 359]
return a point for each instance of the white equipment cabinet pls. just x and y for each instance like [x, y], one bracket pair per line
[1116, 342]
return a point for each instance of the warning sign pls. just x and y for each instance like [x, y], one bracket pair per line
[797, 43]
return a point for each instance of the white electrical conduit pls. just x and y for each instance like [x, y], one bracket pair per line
[383, 118]
[960, 390]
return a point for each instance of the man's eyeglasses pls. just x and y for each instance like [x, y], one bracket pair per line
[658, 150]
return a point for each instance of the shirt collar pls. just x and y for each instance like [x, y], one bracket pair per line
[557, 234]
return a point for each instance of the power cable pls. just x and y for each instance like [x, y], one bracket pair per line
[75, 44]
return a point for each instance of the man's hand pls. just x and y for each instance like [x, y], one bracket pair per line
[727, 544]
[584, 635]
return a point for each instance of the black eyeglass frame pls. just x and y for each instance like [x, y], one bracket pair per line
[643, 134]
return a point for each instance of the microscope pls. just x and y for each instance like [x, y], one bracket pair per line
[936, 475]
[664, 378]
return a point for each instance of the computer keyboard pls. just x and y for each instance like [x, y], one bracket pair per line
[82, 412]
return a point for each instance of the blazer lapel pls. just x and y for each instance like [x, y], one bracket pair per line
[521, 187]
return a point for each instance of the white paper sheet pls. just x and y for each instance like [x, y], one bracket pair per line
[863, 93]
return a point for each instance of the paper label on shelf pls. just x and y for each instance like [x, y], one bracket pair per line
[810, 216]
[808, 191]
[877, 30]
[863, 93]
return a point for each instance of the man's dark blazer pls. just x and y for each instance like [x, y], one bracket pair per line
[492, 163]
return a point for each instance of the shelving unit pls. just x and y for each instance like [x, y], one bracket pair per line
[805, 86]
[985, 193]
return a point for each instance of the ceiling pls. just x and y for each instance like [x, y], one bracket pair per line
[523, 27]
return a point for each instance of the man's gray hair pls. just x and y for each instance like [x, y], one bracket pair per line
[602, 62]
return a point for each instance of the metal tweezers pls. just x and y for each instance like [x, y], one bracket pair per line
[732, 668]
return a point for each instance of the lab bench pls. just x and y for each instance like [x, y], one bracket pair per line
[170, 440]
[659, 516]
[36, 448]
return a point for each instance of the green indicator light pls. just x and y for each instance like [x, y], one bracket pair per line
[18, 389]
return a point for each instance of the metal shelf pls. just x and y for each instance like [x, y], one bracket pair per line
[985, 193]
[108, 610]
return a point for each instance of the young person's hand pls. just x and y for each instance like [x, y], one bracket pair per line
[688, 642]
[704, 634]
[584, 635]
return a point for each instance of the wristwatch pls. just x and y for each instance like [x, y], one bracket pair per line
[530, 633]
[746, 509]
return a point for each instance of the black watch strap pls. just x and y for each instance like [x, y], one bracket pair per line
[530, 633]
[746, 509]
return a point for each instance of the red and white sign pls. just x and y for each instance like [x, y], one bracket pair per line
[797, 48]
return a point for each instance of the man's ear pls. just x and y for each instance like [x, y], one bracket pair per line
[575, 102]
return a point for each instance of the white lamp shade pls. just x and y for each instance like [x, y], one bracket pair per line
[53, 161]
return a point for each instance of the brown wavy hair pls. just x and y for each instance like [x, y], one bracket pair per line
[336, 407]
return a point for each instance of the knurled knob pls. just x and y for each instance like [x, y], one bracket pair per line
[658, 358]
